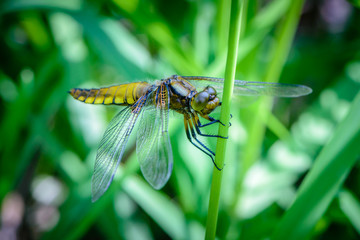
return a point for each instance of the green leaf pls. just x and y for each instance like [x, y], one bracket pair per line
[350, 205]
[158, 206]
[20, 5]
[355, 3]
[325, 178]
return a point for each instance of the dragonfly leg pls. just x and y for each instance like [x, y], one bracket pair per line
[193, 134]
[188, 125]
[196, 122]
[212, 121]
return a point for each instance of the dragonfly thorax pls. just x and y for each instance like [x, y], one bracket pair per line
[205, 101]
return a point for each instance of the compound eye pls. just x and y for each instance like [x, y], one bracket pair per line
[211, 91]
[200, 100]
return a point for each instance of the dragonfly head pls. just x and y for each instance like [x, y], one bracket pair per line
[205, 101]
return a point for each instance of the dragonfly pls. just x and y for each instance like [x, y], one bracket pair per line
[194, 97]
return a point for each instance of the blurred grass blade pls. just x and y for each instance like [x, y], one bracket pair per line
[106, 45]
[270, 14]
[158, 206]
[222, 28]
[323, 181]
[181, 56]
[19, 5]
[351, 208]
[257, 30]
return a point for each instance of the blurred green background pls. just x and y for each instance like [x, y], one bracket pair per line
[297, 154]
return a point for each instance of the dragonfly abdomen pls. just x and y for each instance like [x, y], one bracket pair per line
[124, 94]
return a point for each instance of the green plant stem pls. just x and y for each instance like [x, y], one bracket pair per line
[234, 34]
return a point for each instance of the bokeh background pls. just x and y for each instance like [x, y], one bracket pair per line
[48, 140]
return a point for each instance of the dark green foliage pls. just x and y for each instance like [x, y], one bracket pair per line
[302, 156]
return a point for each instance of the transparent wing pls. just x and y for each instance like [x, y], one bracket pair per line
[245, 88]
[111, 150]
[153, 146]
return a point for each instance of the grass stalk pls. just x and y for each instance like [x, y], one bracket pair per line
[233, 41]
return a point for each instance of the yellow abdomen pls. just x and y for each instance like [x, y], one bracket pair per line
[124, 94]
